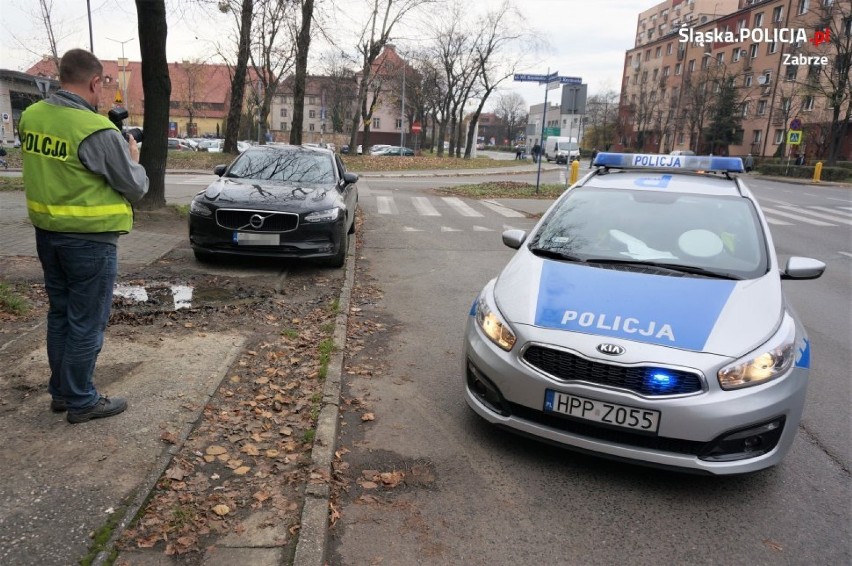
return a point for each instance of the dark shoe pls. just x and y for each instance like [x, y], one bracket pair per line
[58, 405]
[105, 407]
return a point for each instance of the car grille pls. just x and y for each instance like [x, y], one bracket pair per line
[616, 436]
[569, 367]
[232, 219]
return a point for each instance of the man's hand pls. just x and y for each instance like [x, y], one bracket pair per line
[134, 149]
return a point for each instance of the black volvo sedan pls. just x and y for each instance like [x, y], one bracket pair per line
[277, 201]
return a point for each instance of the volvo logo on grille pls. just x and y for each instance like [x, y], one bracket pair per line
[610, 349]
[256, 221]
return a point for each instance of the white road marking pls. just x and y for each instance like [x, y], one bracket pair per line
[847, 254]
[410, 229]
[796, 217]
[832, 210]
[502, 210]
[386, 205]
[424, 207]
[448, 229]
[461, 207]
[823, 216]
[778, 222]
[482, 229]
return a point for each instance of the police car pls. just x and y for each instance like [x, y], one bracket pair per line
[643, 319]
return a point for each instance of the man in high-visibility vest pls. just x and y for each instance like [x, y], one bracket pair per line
[80, 176]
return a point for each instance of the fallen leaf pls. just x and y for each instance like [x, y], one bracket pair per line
[368, 417]
[242, 470]
[773, 545]
[221, 510]
[169, 437]
[392, 479]
[368, 484]
[215, 450]
[250, 449]
[261, 496]
[272, 453]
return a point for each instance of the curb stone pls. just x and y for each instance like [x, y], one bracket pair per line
[313, 532]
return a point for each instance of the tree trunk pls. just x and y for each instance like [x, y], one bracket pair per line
[157, 89]
[303, 44]
[238, 83]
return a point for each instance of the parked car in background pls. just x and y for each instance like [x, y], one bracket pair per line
[211, 145]
[682, 152]
[378, 148]
[179, 144]
[396, 150]
[284, 201]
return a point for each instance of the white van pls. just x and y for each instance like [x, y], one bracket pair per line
[561, 149]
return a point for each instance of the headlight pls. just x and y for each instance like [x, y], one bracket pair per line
[329, 215]
[196, 207]
[772, 360]
[494, 326]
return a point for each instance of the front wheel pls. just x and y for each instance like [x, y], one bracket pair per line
[339, 259]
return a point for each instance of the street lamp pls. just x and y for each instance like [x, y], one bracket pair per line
[123, 64]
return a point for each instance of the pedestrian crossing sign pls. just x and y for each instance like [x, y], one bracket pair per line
[118, 99]
[794, 137]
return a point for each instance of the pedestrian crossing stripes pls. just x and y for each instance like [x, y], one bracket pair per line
[423, 206]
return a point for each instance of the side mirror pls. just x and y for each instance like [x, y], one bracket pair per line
[219, 170]
[514, 238]
[803, 268]
[350, 178]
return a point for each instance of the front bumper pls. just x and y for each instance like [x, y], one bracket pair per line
[506, 391]
[307, 241]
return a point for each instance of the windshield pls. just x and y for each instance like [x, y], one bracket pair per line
[287, 166]
[719, 234]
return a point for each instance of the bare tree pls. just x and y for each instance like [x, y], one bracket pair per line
[511, 110]
[190, 86]
[383, 16]
[45, 16]
[303, 43]
[243, 11]
[833, 81]
[602, 110]
[340, 90]
[157, 88]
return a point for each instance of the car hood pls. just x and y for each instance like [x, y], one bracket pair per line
[718, 316]
[252, 193]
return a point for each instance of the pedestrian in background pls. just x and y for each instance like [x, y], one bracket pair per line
[594, 154]
[536, 149]
[748, 163]
[80, 176]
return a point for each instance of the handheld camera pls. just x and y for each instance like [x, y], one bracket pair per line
[117, 116]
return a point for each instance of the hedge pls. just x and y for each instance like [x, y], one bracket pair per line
[804, 172]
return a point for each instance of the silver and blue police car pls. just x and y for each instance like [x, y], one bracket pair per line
[643, 319]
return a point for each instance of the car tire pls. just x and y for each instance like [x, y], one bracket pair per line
[352, 227]
[339, 259]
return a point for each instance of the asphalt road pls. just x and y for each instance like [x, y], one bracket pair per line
[501, 499]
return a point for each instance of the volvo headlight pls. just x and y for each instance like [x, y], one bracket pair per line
[329, 215]
[771, 360]
[493, 325]
[196, 207]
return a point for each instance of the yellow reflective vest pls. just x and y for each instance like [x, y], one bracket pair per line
[62, 194]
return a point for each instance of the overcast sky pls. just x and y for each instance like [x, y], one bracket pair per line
[584, 39]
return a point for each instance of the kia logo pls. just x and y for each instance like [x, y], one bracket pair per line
[610, 349]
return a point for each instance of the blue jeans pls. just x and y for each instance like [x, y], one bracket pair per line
[78, 276]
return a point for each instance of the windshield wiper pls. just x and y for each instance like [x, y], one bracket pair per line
[553, 254]
[670, 266]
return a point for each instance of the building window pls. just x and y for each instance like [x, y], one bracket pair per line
[377, 123]
[680, 138]
[748, 79]
[758, 20]
[310, 127]
[803, 6]
[282, 126]
[677, 69]
[767, 78]
[312, 100]
[720, 58]
[777, 14]
[665, 71]
[656, 72]
[283, 112]
[691, 66]
[648, 55]
[761, 107]
[772, 48]
[312, 113]
[779, 137]
[704, 62]
[659, 52]
[399, 123]
[745, 109]
[669, 49]
[735, 55]
[790, 74]
[808, 105]
[756, 136]
[785, 105]
[753, 50]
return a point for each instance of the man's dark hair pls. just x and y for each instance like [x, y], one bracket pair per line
[77, 66]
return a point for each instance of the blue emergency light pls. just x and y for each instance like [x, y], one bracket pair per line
[679, 162]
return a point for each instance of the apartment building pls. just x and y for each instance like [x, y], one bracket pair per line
[765, 48]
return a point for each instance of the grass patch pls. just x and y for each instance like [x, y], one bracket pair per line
[11, 302]
[335, 306]
[101, 539]
[182, 210]
[309, 435]
[358, 163]
[290, 333]
[505, 189]
[11, 183]
[326, 347]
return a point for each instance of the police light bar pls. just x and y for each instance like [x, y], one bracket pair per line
[681, 162]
